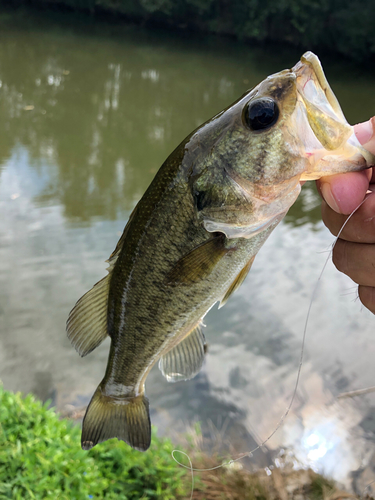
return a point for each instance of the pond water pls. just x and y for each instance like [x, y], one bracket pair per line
[88, 112]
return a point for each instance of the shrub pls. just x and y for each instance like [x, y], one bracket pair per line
[41, 458]
[344, 26]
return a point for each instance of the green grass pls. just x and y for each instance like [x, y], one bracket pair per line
[320, 487]
[41, 458]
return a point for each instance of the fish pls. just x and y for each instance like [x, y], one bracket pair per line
[192, 238]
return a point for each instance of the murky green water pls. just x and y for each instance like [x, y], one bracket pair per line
[88, 112]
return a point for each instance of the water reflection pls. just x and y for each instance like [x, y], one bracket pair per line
[103, 112]
[108, 110]
[87, 117]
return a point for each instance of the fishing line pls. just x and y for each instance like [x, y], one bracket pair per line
[289, 407]
[367, 488]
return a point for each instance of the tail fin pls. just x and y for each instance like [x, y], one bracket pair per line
[127, 419]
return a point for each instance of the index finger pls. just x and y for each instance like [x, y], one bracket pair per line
[361, 226]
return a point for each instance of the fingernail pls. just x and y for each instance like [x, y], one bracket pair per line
[364, 131]
[329, 198]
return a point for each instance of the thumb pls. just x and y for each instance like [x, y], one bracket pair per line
[365, 134]
[344, 192]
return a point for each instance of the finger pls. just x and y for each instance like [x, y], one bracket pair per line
[344, 192]
[365, 134]
[360, 228]
[367, 297]
[356, 260]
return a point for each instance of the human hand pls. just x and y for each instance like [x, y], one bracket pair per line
[354, 252]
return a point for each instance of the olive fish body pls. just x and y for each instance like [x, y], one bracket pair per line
[193, 236]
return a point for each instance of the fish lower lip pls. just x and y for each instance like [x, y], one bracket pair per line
[322, 109]
[309, 59]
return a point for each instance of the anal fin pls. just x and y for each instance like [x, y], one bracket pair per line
[185, 360]
[240, 278]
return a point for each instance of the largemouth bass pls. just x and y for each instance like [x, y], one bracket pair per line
[193, 236]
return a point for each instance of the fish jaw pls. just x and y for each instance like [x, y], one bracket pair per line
[330, 144]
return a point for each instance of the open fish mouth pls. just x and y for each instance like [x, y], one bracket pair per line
[327, 136]
[324, 113]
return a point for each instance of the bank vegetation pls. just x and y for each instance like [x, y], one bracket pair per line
[41, 459]
[338, 26]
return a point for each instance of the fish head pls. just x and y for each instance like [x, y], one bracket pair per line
[294, 117]
[289, 128]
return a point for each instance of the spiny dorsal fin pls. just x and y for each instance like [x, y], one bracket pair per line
[198, 263]
[184, 360]
[116, 252]
[87, 322]
[237, 282]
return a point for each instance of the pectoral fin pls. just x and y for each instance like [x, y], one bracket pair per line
[237, 282]
[198, 263]
[185, 360]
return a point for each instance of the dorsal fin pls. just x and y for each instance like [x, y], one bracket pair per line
[87, 322]
[240, 278]
[116, 252]
[184, 360]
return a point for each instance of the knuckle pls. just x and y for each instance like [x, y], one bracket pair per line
[340, 256]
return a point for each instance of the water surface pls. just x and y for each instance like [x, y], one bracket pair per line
[88, 112]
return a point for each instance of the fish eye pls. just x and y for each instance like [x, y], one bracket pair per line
[261, 114]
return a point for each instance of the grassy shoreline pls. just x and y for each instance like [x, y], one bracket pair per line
[41, 458]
